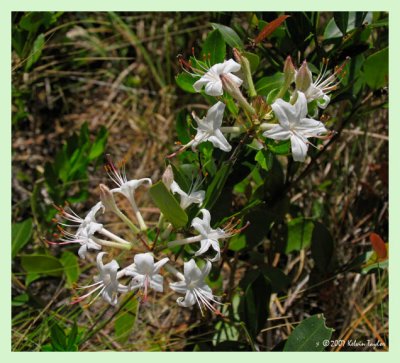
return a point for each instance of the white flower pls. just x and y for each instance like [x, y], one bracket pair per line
[208, 128]
[145, 273]
[86, 228]
[187, 199]
[127, 188]
[106, 282]
[318, 89]
[209, 236]
[294, 125]
[194, 287]
[212, 81]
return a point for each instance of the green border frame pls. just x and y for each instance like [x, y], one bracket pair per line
[204, 5]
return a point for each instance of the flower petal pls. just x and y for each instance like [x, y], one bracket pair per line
[188, 301]
[159, 264]
[277, 133]
[215, 114]
[300, 106]
[156, 283]
[219, 141]
[230, 66]
[179, 286]
[214, 88]
[144, 263]
[284, 111]
[299, 148]
[309, 127]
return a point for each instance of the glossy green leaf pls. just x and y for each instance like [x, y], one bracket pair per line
[215, 188]
[71, 267]
[309, 335]
[21, 234]
[185, 81]
[253, 59]
[376, 69]
[214, 48]
[126, 318]
[254, 304]
[99, 145]
[42, 264]
[279, 148]
[168, 205]
[230, 36]
[266, 84]
[36, 52]
[341, 20]
[299, 234]
[265, 159]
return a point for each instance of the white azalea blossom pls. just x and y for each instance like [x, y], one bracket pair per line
[86, 229]
[187, 199]
[209, 236]
[145, 273]
[317, 90]
[294, 125]
[106, 283]
[212, 78]
[194, 287]
[127, 188]
[209, 128]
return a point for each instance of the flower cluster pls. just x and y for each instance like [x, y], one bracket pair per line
[144, 273]
[290, 117]
[291, 109]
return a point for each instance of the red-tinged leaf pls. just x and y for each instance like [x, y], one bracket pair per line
[378, 245]
[270, 28]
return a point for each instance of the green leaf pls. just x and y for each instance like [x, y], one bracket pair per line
[215, 188]
[332, 30]
[71, 267]
[309, 335]
[230, 36]
[341, 20]
[20, 300]
[254, 304]
[214, 48]
[299, 234]
[266, 84]
[36, 52]
[168, 205]
[376, 69]
[99, 144]
[279, 148]
[253, 59]
[58, 338]
[185, 81]
[264, 159]
[237, 242]
[125, 320]
[42, 264]
[21, 234]
[322, 247]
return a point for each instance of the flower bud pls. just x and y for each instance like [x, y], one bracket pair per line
[246, 71]
[107, 198]
[232, 88]
[168, 177]
[303, 78]
[288, 71]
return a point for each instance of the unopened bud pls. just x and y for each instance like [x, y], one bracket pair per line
[233, 89]
[168, 177]
[107, 198]
[303, 78]
[246, 71]
[288, 71]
